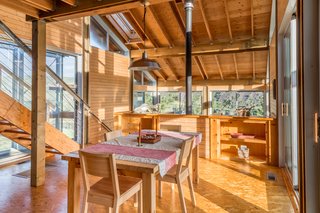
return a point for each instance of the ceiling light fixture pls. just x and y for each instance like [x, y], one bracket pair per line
[144, 64]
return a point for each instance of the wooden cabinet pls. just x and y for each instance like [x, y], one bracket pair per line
[263, 145]
[215, 131]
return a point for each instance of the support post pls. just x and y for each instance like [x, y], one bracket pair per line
[38, 102]
[85, 76]
[188, 9]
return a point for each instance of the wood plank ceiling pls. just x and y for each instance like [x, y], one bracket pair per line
[237, 25]
[229, 36]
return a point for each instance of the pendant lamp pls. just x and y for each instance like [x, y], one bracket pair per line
[144, 64]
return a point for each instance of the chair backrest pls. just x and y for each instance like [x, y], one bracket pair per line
[113, 134]
[185, 153]
[99, 165]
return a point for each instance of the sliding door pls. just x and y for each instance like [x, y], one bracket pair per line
[290, 103]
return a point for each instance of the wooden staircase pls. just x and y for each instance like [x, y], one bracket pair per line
[15, 124]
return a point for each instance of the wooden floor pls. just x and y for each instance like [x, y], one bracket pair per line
[225, 186]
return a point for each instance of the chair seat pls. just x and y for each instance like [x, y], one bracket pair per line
[104, 188]
[172, 174]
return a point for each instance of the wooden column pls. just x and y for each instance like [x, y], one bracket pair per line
[85, 72]
[38, 102]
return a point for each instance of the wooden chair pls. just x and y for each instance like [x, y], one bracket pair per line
[180, 172]
[112, 189]
[112, 135]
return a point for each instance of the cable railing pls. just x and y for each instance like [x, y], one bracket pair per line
[62, 101]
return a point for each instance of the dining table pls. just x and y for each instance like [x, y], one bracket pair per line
[149, 160]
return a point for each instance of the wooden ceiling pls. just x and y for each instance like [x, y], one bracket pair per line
[229, 36]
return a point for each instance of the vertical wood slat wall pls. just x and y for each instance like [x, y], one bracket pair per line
[109, 81]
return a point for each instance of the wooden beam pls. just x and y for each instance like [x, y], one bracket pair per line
[85, 73]
[46, 5]
[252, 21]
[154, 43]
[160, 24]
[219, 68]
[205, 19]
[178, 16]
[257, 45]
[236, 65]
[139, 24]
[172, 72]
[38, 103]
[201, 68]
[70, 2]
[247, 84]
[161, 74]
[228, 19]
[91, 8]
[253, 66]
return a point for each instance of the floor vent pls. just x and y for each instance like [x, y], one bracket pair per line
[271, 176]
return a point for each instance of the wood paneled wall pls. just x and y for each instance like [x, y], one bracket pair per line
[109, 81]
[61, 36]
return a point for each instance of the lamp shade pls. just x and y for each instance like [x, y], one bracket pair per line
[144, 64]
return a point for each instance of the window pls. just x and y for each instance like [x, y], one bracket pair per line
[169, 102]
[98, 36]
[230, 102]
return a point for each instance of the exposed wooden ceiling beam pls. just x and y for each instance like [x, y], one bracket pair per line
[228, 19]
[247, 84]
[161, 74]
[162, 28]
[252, 21]
[219, 67]
[70, 2]
[235, 65]
[90, 8]
[172, 72]
[178, 16]
[46, 5]
[222, 48]
[201, 68]
[205, 19]
[154, 43]
[253, 66]
[139, 24]
[136, 25]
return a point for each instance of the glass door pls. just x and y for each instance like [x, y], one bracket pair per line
[290, 103]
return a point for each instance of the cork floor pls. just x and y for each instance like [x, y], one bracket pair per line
[225, 186]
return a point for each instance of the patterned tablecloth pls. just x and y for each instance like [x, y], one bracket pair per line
[165, 153]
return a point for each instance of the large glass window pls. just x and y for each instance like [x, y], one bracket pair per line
[234, 102]
[169, 102]
[16, 81]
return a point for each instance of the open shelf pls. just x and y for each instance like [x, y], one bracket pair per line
[246, 140]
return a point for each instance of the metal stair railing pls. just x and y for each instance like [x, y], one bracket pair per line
[84, 107]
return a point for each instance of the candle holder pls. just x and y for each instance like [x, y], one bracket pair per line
[140, 136]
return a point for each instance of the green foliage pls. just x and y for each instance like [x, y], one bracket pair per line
[227, 102]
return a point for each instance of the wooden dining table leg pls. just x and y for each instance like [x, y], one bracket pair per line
[73, 187]
[195, 164]
[149, 192]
